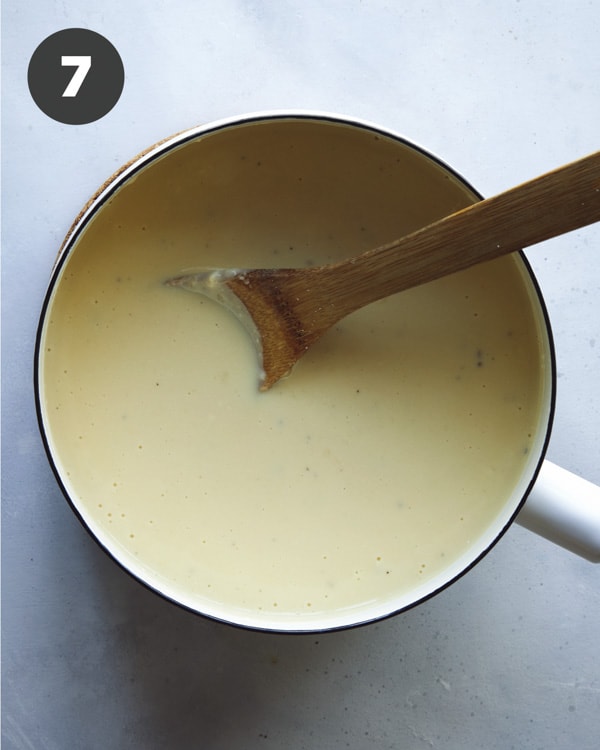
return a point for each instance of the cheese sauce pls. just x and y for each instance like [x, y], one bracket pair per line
[359, 480]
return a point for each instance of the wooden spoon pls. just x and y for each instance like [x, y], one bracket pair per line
[288, 309]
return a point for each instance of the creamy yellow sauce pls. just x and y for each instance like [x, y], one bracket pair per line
[358, 481]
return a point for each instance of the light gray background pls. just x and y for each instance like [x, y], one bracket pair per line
[506, 658]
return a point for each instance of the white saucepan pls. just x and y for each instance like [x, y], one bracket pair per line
[396, 455]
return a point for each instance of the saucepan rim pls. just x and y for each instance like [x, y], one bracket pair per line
[160, 150]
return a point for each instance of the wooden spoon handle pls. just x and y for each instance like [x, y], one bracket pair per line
[567, 198]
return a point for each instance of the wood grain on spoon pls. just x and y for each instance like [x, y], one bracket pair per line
[288, 309]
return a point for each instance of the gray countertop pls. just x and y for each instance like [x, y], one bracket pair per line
[505, 658]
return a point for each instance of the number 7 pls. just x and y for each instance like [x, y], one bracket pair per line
[83, 63]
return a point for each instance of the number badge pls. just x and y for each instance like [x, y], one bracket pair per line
[76, 76]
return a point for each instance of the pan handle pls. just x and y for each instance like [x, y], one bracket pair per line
[565, 509]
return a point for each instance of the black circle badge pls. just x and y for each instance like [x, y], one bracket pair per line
[76, 76]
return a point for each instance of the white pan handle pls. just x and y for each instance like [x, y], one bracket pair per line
[565, 509]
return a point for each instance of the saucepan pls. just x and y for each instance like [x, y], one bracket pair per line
[399, 451]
